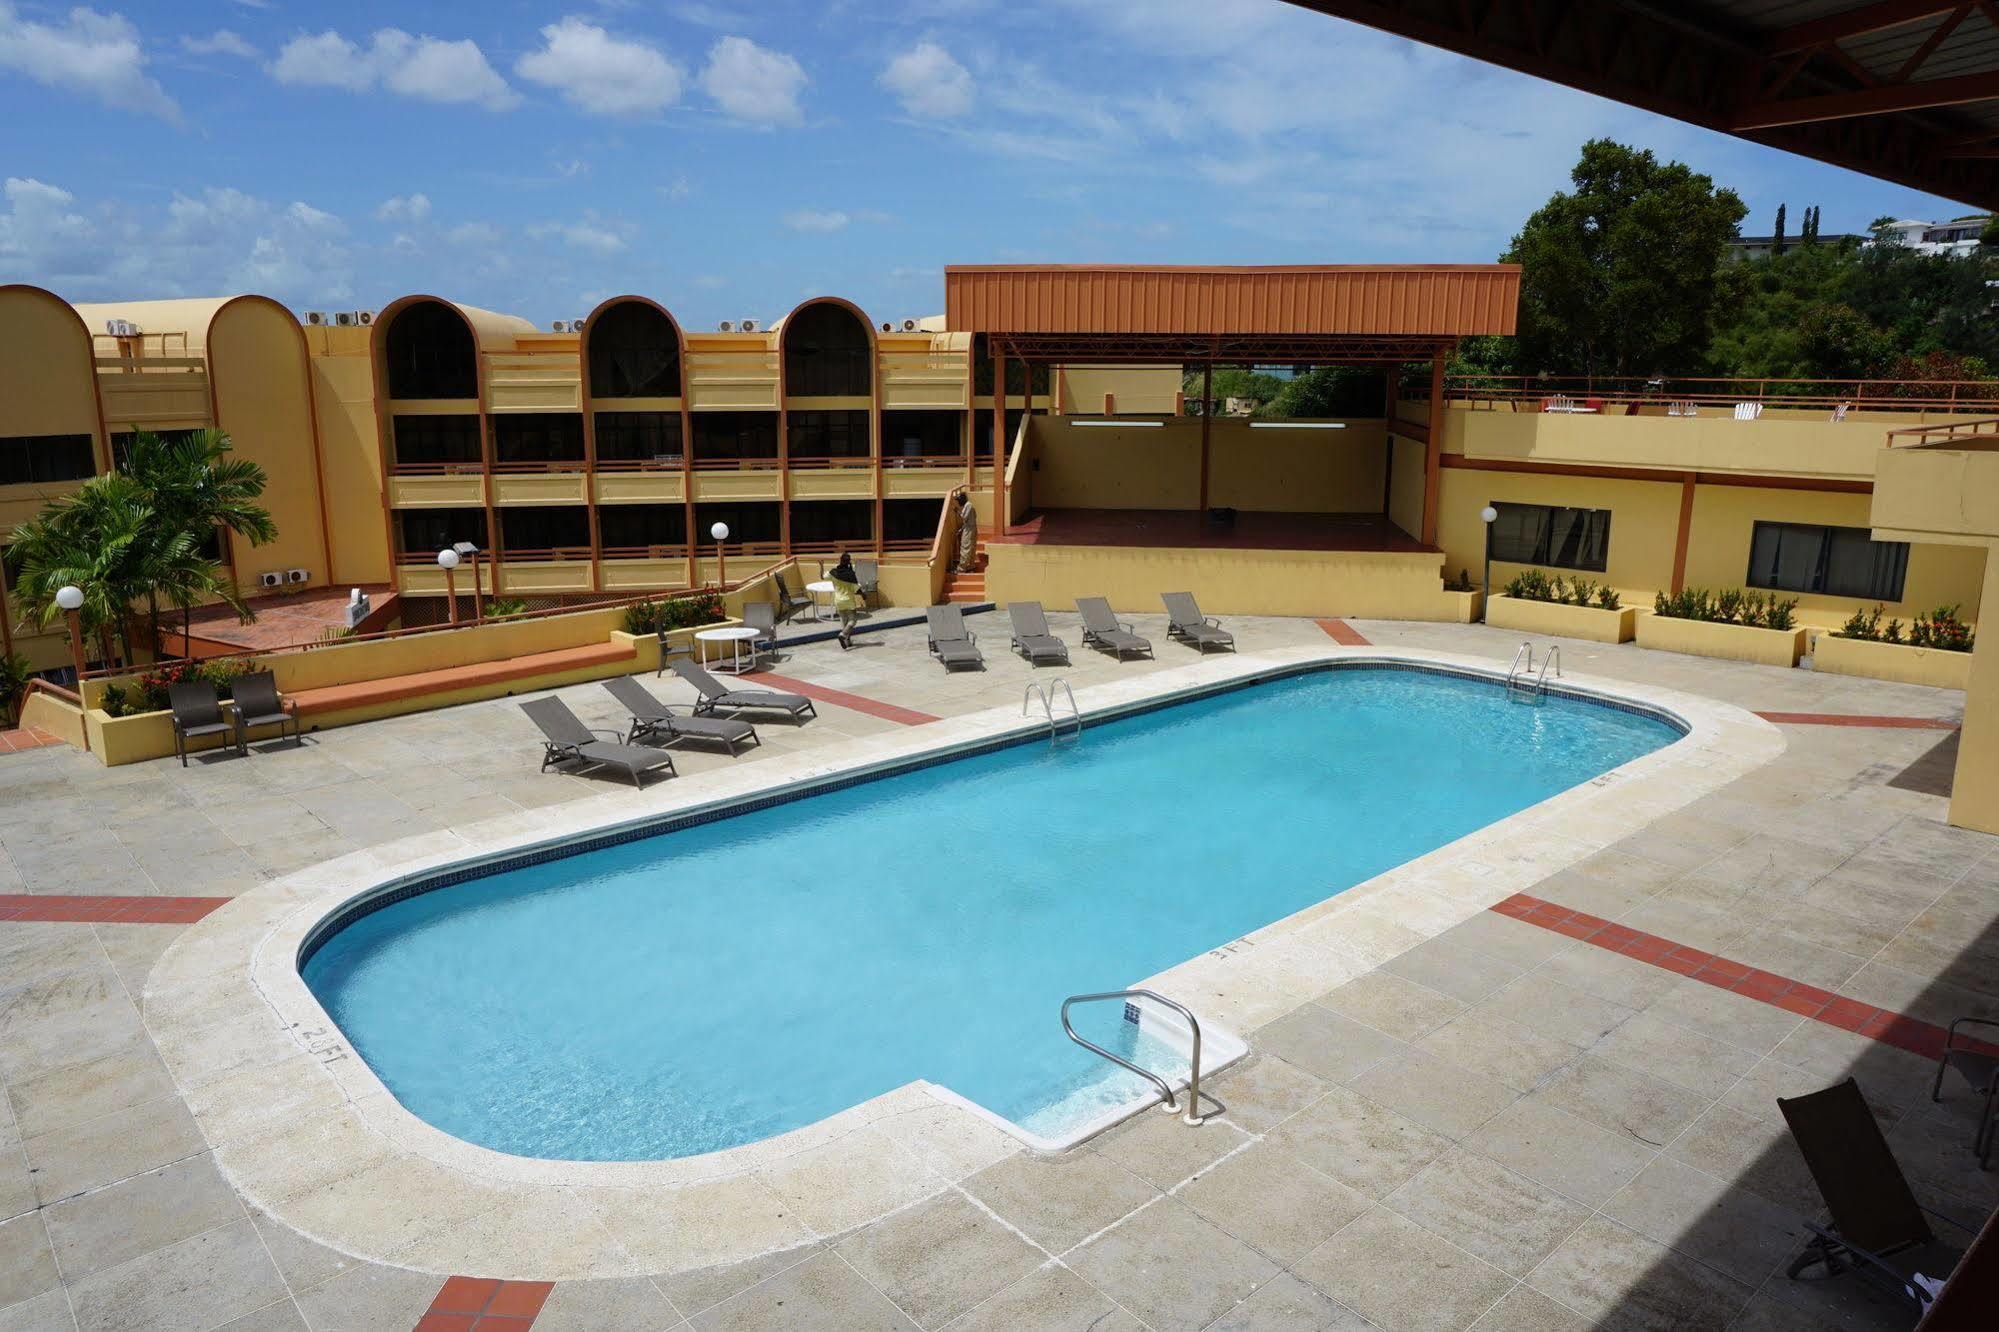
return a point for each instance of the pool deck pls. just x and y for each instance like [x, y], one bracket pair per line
[1505, 1088]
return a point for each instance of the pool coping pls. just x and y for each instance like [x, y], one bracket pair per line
[308, 1133]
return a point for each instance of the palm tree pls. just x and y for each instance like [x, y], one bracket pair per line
[196, 487]
[14, 677]
[100, 539]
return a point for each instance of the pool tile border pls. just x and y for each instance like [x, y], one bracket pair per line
[360, 1173]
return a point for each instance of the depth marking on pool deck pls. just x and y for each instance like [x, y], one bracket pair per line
[1793, 996]
[107, 910]
[467, 1303]
[841, 698]
[1344, 634]
[1855, 719]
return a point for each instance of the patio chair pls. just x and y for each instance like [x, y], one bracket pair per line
[789, 603]
[1031, 638]
[652, 719]
[197, 711]
[1977, 1062]
[567, 739]
[258, 704]
[762, 617]
[1104, 631]
[715, 694]
[1186, 623]
[950, 641]
[1877, 1229]
[869, 574]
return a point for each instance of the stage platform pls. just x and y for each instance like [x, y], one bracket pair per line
[1189, 530]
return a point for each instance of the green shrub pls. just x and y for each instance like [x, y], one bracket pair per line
[1755, 610]
[148, 692]
[685, 612]
[1462, 583]
[1608, 599]
[1534, 585]
[505, 608]
[14, 677]
[1863, 625]
[1941, 629]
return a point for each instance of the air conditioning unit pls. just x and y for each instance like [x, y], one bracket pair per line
[297, 576]
[558, 325]
[747, 325]
[364, 317]
[576, 325]
[887, 327]
[726, 326]
[271, 579]
[346, 319]
[315, 317]
[909, 326]
[121, 328]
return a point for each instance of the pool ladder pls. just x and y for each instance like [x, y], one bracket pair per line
[1523, 681]
[1073, 718]
[1192, 1114]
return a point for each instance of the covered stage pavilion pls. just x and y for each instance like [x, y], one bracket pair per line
[1274, 517]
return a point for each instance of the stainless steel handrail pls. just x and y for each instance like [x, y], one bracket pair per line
[1554, 658]
[1047, 698]
[1193, 1025]
[1034, 689]
[1525, 650]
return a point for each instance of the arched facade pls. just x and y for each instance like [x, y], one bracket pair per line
[828, 350]
[632, 349]
[428, 350]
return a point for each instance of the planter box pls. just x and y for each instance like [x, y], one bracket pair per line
[1462, 607]
[1563, 621]
[1891, 661]
[1734, 642]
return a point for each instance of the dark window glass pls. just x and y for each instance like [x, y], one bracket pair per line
[827, 434]
[826, 353]
[982, 429]
[35, 459]
[638, 437]
[437, 439]
[633, 353]
[720, 436]
[538, 437]
[1837, 561]
[1556, 537]
[427, 531]
[756, 523]
[832, 522]
[430, 354]
[633, 525]
[910, 519]
[923, 435]
[1017, 371]
[554, 527]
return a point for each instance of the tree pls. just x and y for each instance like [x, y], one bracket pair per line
[1777, 236]
[196, 487]
[14, 677]
[98, 540]
[1619, 275]
[1330, 391]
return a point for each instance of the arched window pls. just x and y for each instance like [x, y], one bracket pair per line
[431, 354]
[634, 353]
[827, 353]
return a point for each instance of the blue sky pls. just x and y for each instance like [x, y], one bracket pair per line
[732, 158]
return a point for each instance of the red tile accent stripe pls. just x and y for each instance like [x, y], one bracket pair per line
[107, 910]
[841, 698]
[1344, 634]
[1855, 719]
[464, 1304]
[25, 738]
[1881, 1024]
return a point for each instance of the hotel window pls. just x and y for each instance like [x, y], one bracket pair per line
[432, 440]
[641, 526]
[908, 520]
[554, 527]
[827, 434]
[933, 434]
[430, 354]
[753, 523]
[638, 437]
[34, 459]
[833, 523]
[827, 353]
[634, 353]
[1549, 535]
[538, 437]
[424, 532]
[727, 436]
[1837, 561]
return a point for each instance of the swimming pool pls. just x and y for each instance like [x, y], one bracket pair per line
[725, 982]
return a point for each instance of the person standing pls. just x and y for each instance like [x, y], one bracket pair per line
[968, 532]
[846, 596]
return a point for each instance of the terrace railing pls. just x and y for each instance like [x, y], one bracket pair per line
[1532, 393]
[1982, 433]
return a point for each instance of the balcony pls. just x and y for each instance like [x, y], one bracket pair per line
[525, 382]
[643, 568]
[153, 390]
[752, 479]
[923, 478]
[831, 478]
[530, 572]
[517, 484]
[437, 486]
[919, 374]
[724, 377]
[631, 483]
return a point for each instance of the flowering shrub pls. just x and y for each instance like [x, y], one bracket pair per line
[653, 617]
[148, 692]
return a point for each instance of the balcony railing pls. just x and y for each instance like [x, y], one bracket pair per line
[472, 468]
[544, 555]
[736, 464]
[678, 552]
[1970, 434]
[666, 462]
[951, 460]
[543, 467]
[1613, 396]
[808, 463]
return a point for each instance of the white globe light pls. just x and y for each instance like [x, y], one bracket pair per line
[1488, 513]
[447, 559]
[69, 598]
[720, 531]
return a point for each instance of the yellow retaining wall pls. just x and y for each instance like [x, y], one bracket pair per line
[1547, 617]
[53, 715]
[1405, 487]
[1734, 642]
[1891, 661]
[1643, 526]
[1256, 468]
[1974, 798]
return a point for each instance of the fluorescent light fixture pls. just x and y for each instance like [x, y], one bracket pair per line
[1297, 425]
[1110, 421]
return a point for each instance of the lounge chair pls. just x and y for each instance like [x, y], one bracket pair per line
[652, 719]
[789, 603]
[1877, 1228]
[762, 617]
[197, 711]
[869, 586]
[258, 704]
[950, 641]
[1978, 1064]
[1031, 638]
[1104, 631]
[1186, 623]
[714, 694]
[567, 740]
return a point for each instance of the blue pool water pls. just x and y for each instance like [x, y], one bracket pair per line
[722, 983]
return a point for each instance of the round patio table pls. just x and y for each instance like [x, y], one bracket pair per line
[822, 588]
[735, 635]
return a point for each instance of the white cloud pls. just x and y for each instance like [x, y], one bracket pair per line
[474, 233]
[404, 208]
[676, 189]
[754, 84]
[928, 82]
[428, 68]
[96, 54]
[588, 235]
[600, 73]
[817, 219]
[220, 42]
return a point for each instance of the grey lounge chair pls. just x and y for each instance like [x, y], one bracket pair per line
[869, 574]
[1104, 631]
[950, 641]
[715, 694]
[762, 617]
[1031, 638]
[652, 719]
[567, 740]
[197, 711]
[1186, 623]
[789, 603]
[1979, 1067]
[258, 704]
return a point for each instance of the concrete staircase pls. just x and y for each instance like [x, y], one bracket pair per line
[969, 588]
